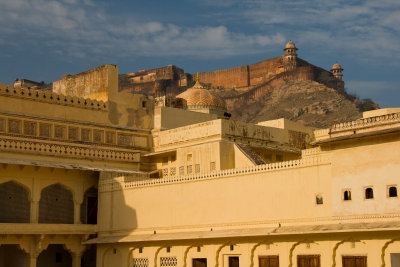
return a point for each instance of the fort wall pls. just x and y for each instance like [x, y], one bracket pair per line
[96, 83]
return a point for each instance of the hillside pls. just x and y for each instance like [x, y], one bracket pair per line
[308, 102]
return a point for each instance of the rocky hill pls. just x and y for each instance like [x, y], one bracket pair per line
[308, 102]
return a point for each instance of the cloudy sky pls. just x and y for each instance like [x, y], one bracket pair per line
[44, 39]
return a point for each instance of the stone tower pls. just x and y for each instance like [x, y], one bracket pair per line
[337, 71]
[290, 57]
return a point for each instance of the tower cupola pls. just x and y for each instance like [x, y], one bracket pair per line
[337, 71]
[290, 57]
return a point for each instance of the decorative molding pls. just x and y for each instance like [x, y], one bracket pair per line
[156, 255]
[67, 150]
[335, 248]
[73, 132]
[218, 252]
[253, 249]
[292, 249]
[384, 250]
[130, 255]
[135, 181]
[366, 122]
[53, 98]
[185, 255]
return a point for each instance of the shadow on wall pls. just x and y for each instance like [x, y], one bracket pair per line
[122, 218]
[54, 255]
[12, 255]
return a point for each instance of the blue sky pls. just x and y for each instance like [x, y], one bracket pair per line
[44, 39]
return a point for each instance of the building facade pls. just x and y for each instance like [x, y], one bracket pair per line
[91, 176]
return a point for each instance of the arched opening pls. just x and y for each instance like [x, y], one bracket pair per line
[89, 207]
[56, 205]
[14, 203]
[54, 255]
[392, 191]
[12, 255]
[347, 195]
[369, 193]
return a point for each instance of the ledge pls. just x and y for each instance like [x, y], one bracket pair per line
[44, 228]
[257, 232]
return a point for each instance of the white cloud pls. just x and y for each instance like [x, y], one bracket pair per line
[369, 29]
[78, 28]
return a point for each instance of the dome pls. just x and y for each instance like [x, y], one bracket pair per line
[290, 45]
[199, 96]
[336, 66]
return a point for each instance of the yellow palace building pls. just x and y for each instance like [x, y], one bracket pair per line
[90, 176]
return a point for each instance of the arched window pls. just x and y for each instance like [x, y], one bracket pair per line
[369, 193]
[347, 195]
[56, 205]
[14, 203]
[392, 191]
[89, 207]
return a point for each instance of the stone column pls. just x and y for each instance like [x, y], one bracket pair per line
[77, 213]
[34, 211]
[32, 259]
[76, 259]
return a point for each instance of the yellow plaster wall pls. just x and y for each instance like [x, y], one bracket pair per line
[251, 198]
[376, 164]
[169, 118]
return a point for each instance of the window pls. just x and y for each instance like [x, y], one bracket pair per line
[173, 158]
[279, 158]
[359, 261]
[392, 191]
[308, 261]
[212, 166]
[269, 261]
[347, 195]
[172, 171]
[319, 200]
[181, 170]
[189, 157]
[197, 168]
[189, 169]
[369, 193]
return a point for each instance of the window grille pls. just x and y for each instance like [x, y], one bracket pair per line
[140, 262]
[168, 261]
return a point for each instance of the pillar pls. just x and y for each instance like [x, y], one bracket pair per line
[34, 211]
[32, 259]
[76, 259]
[77, 213]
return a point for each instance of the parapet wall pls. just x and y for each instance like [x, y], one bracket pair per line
[244, 76]
[96, 83]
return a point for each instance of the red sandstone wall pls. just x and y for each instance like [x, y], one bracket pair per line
[235, 77]
[243, 76]
[263, 71]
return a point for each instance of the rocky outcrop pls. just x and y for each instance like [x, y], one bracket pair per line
[308, 102]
